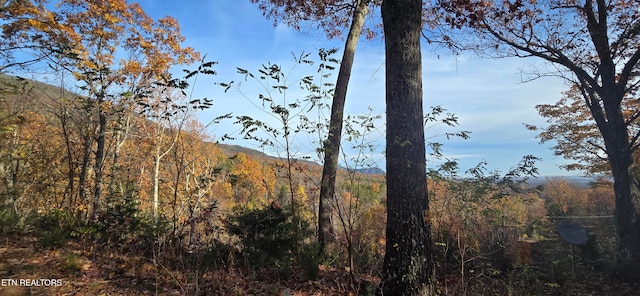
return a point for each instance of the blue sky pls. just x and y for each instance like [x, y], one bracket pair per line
[488, 96]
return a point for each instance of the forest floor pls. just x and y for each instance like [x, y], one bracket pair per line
[26, 268]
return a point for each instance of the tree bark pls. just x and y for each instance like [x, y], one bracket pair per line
[156, 182]
[84, 166]
[63, 116]
[613, 127]
[100, 152]
[407, 263]
[332, 143]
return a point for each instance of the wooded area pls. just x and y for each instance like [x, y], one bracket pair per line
[115, 187]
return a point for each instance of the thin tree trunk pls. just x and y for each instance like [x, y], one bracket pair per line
[121, 135]
[71, 173]
[84, 166]
[157, 157]
[407, 262]
[156, 183]
[332, 144]
[98, 166]
[179, 164]
[82, 178]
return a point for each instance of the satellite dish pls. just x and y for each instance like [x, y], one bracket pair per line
[572, 232]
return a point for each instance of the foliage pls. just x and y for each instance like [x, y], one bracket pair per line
[477, 215]
[72, 263]
[55, 228]
[122, 226]
[267, 238]
[563, 199]
[330, 16]
[10, 221]
[93, 35]
[279, 100]
[576, 136]
[358, 205]
[287, 103]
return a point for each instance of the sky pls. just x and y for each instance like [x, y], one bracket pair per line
[489, 96]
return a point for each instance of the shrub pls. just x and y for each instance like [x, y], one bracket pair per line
[269, 237]
[9, 220]
[72, 263]
[121, 225]
[55, 227]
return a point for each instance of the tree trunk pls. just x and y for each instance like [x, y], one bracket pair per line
[84, 166]
[604, 95]
[407, 262]
[332, 143]
[121, 135]
[71, 173]
[604, 101]
[632, 218]
[156, 182]
[620, 154]
[100, 151]
[626, 214]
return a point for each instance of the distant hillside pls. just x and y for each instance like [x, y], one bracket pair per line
[231, 150]
[580, 181]
[12, 85]
[234, 149]
[371, 171]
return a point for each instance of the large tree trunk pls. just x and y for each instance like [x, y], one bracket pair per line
[604, 94]
[332, 144]
[407, 262]
[626, 214]
[620, 154]
[631, 217]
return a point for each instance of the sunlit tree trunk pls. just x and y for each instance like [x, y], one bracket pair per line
[332, 143]
[121, 135]
[159, 153]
